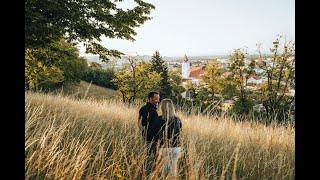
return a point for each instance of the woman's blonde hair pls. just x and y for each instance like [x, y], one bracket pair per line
[167, 109]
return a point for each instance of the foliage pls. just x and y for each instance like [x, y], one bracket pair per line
[159, 65]
[63, 61]
[175, 81]
[134, 82]
[280, 73]
[48, 21]
[242, 107]
[240, 74]
[100, 77]
[229, 88]
[39, 75]
[212, 79]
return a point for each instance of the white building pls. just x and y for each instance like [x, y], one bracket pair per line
[185, 68]
[291, 92]
[190, 75]
[255, 80]
[258, 70]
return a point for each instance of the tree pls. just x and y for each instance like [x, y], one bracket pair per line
[134, 82]
[40, 76]
[100, 77]
[175, 80]
[240, 74]
[73, 69]
[47, 21]
[61, 59]
[65, 56]
[212, 79]
[228, 88]
[159, 65]
[280, 73]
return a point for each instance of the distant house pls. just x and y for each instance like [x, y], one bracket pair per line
[226, 74]
[258, 70]
[254, 82]
[195, 74]
[287, 92]
[290, 92]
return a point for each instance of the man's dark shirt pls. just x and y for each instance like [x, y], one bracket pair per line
[148, 115]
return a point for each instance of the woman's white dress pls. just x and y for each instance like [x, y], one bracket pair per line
[169, 159]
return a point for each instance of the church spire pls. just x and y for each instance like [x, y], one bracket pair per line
[185, 67]
[185, 58]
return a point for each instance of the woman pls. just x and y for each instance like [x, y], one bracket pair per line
[169, 137]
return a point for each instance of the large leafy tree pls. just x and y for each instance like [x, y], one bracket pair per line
[39, 75]
[175, 80]
[212, 79]
[159, 65]
[53, 65]
[133, 82]
[86, 21]
[240, 74]
[280, 74]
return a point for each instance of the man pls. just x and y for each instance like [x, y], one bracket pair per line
[148, 115]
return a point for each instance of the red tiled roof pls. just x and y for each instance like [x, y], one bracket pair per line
[254, 77]
[196, 72]
[252, 84]
[227, 74]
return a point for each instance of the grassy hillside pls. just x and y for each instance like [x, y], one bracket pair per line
[87, 90]
[72, 139]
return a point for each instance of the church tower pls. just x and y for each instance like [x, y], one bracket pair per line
[185, 67]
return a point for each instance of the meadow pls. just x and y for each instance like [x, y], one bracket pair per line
[74, 138]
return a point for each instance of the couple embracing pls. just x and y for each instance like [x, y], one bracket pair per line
[161, 134]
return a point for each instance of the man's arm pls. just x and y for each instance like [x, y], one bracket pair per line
[143, 116]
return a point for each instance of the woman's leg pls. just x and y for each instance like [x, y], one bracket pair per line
[165, 161]
[175, 158]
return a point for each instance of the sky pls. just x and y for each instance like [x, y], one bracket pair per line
[208, 27]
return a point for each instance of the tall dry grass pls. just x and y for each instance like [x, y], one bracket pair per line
[86, 139]
[85, 89]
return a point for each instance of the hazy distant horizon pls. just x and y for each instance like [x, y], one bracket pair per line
[95, 58]
[208, 27]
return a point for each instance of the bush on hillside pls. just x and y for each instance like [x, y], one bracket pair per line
[100, 77]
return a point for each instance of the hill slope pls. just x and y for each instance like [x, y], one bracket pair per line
[72, 139]
[87, 90]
